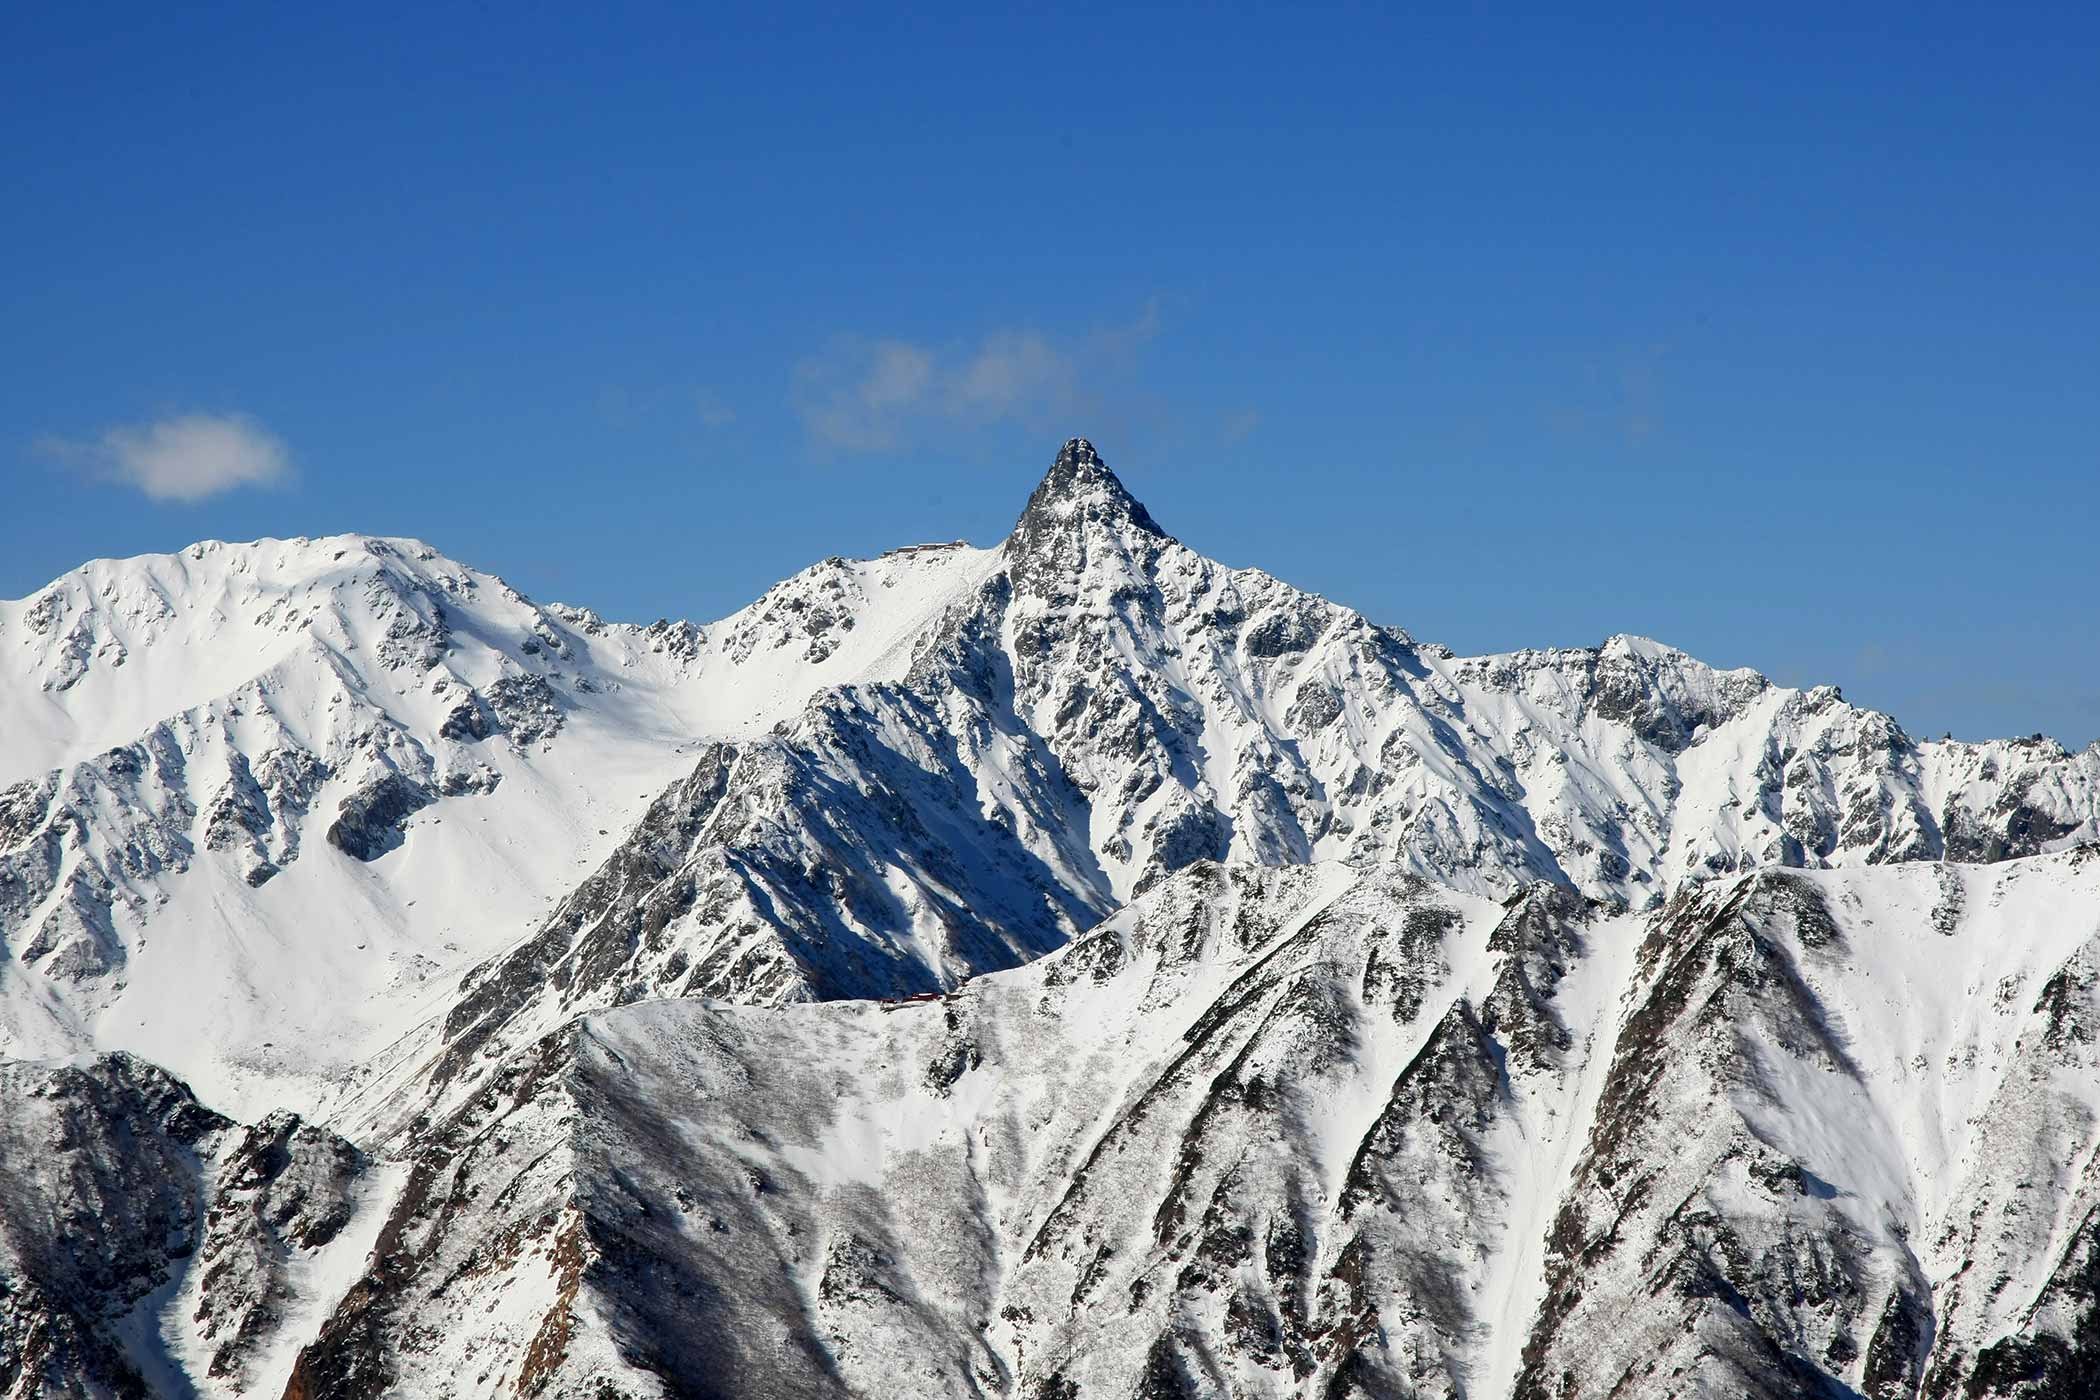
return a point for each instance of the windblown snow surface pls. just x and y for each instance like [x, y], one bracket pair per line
[412, 989]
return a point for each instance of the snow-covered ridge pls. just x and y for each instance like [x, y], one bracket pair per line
[1273, 1131]
[100, 655]
[1104, 706]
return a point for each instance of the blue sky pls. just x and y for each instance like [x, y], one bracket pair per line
[1773, 337]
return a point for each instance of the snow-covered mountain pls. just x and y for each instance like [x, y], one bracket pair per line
[1326, 1013]
[263, 800]
[1107, 706]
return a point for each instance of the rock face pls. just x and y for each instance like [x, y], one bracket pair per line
[1306, 1010]
[148, 1246]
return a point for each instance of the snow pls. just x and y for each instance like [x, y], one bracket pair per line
[1491, 770]
[830, 1105]
[1535, 1154]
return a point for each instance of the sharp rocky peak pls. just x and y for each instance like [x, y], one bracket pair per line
[1077, 499]
[1080, 487]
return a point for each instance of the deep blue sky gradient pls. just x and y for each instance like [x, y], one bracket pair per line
[1777, 338]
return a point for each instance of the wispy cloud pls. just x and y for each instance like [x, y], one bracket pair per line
[184, 458]
[878, 395]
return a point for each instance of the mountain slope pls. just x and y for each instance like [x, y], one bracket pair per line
[381, 767]
[152, 1247]
[1305, 1131]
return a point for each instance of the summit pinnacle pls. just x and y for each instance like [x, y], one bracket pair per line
[1079, 490]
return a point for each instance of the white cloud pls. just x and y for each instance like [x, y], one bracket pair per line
[859, 395]
[184, 458]
[873, 396]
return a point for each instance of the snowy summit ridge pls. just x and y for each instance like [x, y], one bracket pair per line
[433, 992]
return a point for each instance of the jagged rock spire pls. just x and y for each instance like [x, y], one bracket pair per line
[1079, 486]
[1049, 546]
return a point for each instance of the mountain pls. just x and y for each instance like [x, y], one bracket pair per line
[262, 800]
[1319, 1012]
[1106, 706]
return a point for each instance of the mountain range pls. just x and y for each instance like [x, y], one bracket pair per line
[1074, 968]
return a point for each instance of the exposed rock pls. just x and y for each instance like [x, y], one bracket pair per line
[134, 1221]
[371, 820]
